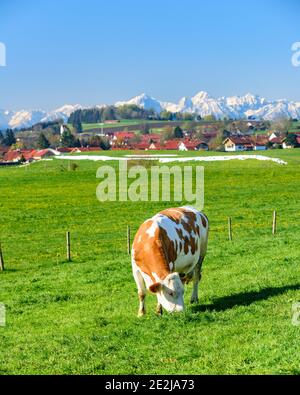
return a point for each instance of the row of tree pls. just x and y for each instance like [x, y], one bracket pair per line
[97, 115]
[7, 138]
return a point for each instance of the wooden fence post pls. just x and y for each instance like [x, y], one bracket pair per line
[68, 246]
[128, 240]
[1, 259]
[229, 229]
[274, 222]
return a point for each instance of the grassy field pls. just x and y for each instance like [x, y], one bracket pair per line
[80, 317]
[123, 122]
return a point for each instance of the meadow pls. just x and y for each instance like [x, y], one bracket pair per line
[80, 317]
[123, 123]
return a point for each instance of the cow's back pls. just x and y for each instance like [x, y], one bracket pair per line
[172, 240]
[187, 232]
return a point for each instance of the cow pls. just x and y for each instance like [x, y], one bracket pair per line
[167, 252]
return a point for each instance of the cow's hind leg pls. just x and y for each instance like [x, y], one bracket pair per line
[141, 291]
[142, 309]
[159, 309]
[197, 278]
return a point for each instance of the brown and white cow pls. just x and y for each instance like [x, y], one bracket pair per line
[168, 251]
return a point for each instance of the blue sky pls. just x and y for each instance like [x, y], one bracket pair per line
[93, 52]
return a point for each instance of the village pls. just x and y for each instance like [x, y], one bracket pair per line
[178, 140]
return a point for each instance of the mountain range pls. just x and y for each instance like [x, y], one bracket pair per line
[236, 107]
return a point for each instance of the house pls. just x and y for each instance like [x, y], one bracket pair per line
[260, 142]
[44, 154]
[148, 142]
[121, 139]
[274, 135]
[238, 143]
[63, 150]
[185, 145]
[151, 137]
[171, 145]
[85, 149]
[287, 145]
[192, 145]
[246, 143]
[28, 155]
[123, 135]
[275, 142]
[13, 156]
[155, 146]
[24, 155]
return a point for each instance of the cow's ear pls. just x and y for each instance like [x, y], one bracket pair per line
[156, 287]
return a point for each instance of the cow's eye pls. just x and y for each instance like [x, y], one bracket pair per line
[171, 293]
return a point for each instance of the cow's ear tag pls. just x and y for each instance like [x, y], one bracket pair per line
[155, 287]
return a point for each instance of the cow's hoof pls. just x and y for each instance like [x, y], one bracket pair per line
[141, 313]
[194, 300]
[159, 310]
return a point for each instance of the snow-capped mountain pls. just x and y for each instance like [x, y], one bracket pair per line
[276, 109]
[230, 107]
[236, 107]
[61, 113]
[27, 118]
[143, 101]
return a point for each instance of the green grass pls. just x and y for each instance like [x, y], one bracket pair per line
[123, 122]
[80, 317]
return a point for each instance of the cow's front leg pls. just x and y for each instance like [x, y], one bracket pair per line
[197, 278]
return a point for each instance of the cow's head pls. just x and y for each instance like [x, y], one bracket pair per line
[170, 293]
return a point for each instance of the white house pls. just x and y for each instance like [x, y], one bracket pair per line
[238, 143]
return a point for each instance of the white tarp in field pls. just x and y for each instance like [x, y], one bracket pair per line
[167, 159]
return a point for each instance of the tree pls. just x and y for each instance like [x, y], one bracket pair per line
[77, 143]
[145, 128]
[291, 140]
[178, 133]
[166, 115]
[104, 144]
[216, 144]
[282, 125]
[187, 116]
[108, 113]
[67, 139]
[95, 141]
[77, 127]
[189, 125]
[166, 134]
[54, 140]
[209, 118]
[43, 142]
[9, 138]
[1, 137]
